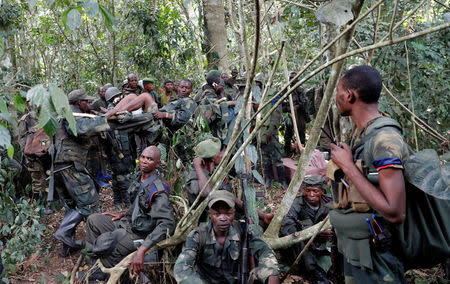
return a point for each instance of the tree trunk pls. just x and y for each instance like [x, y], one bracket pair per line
[215, 34]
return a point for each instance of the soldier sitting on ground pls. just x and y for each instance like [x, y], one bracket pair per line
[307, 210]
[147, 221]
[212, 251]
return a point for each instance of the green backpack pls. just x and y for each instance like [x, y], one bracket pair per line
[423, 239]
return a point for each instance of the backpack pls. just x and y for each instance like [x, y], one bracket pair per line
[37, 144]
[423, 239]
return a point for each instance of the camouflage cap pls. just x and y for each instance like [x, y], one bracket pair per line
[79, 95]
[221, 195]
[208, 148]
[111, 93]
[148, 81]
[313, 181]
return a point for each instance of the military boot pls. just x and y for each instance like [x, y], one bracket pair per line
[282, 177]
[66, 232]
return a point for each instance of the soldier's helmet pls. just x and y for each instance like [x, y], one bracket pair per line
[111, 93]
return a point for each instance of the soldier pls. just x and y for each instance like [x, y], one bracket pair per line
[271, 147]
[169, 94]
[301, 115]
[365, 261]
[212, 250]
[99, 105]
[149, 86]
[230, 90]
[178, 111]
[120, 156]
[307, 210]
[72, 181]
[146, 222]
[131, 86]
[209, 153]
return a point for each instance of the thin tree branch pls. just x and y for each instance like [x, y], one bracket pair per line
[391, 27]
[312, 8]
[375, 32]
[411, 98]
[230, 12]
[443, 4]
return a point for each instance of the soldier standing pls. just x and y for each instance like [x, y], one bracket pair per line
[72, 181]
[131, 86]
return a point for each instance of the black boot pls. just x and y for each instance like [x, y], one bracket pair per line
[282, 177]
[66, 231]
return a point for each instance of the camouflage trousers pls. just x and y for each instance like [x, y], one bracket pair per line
[387, 268]
[97, 225]
[39, 184]
[271, 152]
[76, 189]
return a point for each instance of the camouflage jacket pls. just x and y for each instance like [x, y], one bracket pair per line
[205, 261]
[153, 218]
[181, 109]
[127, 90]
[193, 189]
[270, 127]
[74, 149]
[98, 104]
[302, 216]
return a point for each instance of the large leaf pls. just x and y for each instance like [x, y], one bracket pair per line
[4, 113]
[108, 19]
[48, 117]
[61, 106]
[73, 19]
[92, 7]
[19, 103]
[239, 165]
[338, 12]
[5, 137]
[37, 94]
[252, 153]
[258, 177]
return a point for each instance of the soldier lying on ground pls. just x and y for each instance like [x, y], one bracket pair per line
[212, 250]
[307, 210]
[209, 154]
[147, 221]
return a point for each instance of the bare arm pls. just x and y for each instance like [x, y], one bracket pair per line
[390, 201]
[201, 177]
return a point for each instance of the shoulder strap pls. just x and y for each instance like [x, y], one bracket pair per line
[159, 187]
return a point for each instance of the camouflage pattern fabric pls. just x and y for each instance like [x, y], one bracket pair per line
[271, 151]
[127, 90]
[351, 229]
[76, 189]
[182, 110]
[204, 261]
[39, 183]
[98, 104]
[159, 216]
[300, 217]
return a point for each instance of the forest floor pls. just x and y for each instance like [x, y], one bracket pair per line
[46, 266]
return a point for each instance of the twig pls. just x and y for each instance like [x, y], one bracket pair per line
[75, 268]
[443, 4]
[391, 27]
[299, 5]
[233, 24]
[411, 98]
[375, 32]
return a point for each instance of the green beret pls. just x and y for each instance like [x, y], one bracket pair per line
[79, 95]
[208, 148]
[148, 81]
[313, 181]
[221, 195]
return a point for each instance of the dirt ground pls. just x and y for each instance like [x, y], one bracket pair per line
[46, 266]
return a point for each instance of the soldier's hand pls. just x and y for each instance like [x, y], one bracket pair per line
[115, 216]
[137, 262]
[198, 162]
[342, 156]
[158, 114]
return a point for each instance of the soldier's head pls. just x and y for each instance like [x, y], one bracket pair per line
[148, 84]
[210, 150]
[234, 73]
[312, 188]
[213, 81]
[221, 210]
[361, 84]
[132, 81]
[101, 92]
[149, 159]
[185, 88]
[176, 86]
[291, 77]
[113, 95]
[168, 86]
[80, 99]
[225, 77]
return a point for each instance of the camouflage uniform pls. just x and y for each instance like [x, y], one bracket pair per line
[362, 262]
[98, 104]
[128, 90]
[302, 216]
[149, 219]
[204, 261]
[35, 165]
[301, 114]
[181, 109]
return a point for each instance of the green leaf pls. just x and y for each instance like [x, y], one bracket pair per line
[108, 19]
[73, 19]
[2, 46]
[92, 7]
[252, 153]
[47, 118]
[32, 3]
[37, 94]
[239, 165]
[163, 152]
[62, 107]
[258, 177]
[5, 137]
[19, 103]
[3, 106]
[10, 150]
